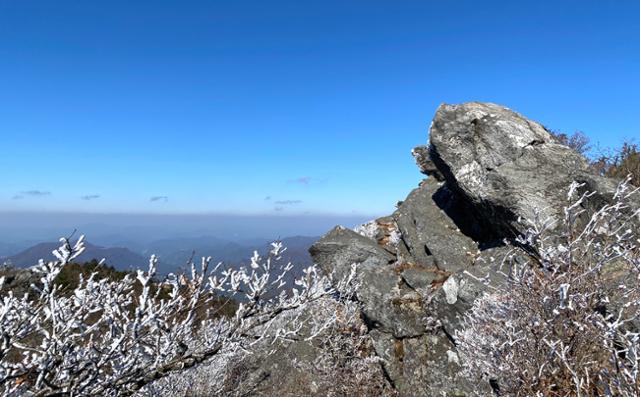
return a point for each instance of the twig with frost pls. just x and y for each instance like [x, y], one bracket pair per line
[566, 323]
[109, 338]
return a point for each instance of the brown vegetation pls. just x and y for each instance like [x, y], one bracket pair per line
[618, 164]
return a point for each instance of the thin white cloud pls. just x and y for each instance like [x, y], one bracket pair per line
[288, 202]
[303, 180]
[35, 193]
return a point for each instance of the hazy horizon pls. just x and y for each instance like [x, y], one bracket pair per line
[108, 228]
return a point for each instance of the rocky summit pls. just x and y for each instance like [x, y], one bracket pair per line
[488, 167]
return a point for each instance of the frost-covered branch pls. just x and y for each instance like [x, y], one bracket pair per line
[113, 338]
[566, 322]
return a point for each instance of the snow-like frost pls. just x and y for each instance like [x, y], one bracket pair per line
[113, 338]
[450, 288]
[566, 319]
[368, 230]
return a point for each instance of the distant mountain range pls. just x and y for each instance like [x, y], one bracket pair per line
[8, 249]
[173, 254]
[119, 258]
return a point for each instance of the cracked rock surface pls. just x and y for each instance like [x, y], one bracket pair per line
[506, 166]
[422, 267]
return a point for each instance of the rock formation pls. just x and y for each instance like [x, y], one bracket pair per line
[488, 166]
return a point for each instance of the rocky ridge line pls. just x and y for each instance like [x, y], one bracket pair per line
[487, 167]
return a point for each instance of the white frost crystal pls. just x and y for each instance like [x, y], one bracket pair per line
[453, 357]
[368, 230]
[473, 176]
[109, 338]
[450, 288]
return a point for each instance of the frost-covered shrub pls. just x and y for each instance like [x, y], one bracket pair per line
[114, 338]
[565, 323]
[332, 337]
[345, 363]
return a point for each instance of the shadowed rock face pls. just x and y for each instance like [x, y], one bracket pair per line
[505, 165]
[420, 266]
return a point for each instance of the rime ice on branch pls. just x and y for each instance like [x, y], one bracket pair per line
[115, 338]
[566, 321]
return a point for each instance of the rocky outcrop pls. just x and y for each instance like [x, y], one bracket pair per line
[506, 166]
[422, 266]
[19, 281]
[424, 163]
[399, 276]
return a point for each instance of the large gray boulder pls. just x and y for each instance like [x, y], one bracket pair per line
[505, 165]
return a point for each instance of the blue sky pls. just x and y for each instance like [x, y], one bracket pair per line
[269, 107]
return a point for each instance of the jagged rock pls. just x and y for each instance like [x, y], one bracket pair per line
[505, 165]
[398, 276]
[426, 365]
[423, 267]
[424, 163]
[341, 247]
[463, 215]
[18, 281]
[388, 303]
[431, 237]
[449, 304]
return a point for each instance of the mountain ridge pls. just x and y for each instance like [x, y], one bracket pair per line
[173, 254]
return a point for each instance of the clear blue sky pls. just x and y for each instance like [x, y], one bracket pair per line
[234, 106]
